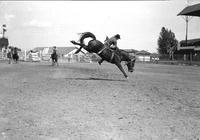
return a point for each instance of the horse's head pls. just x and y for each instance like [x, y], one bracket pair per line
[130, 64]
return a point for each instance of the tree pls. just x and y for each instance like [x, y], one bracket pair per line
[167, 43]
[4, 43]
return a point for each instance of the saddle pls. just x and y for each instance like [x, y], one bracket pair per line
[115, 51]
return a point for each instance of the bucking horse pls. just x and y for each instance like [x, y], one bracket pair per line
[106, 53]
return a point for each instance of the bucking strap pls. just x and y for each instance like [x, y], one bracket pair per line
[112, 56]
[101, 50]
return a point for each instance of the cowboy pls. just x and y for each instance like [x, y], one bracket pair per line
[9, 54]
[111, 43]
[54, 49]
[54, 56]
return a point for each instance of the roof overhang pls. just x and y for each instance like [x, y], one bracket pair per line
[193, 10]
[190, 42]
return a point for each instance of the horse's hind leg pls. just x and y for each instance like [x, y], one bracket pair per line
[17, 59]
[79, 49]
[121, 69]
[56, 61]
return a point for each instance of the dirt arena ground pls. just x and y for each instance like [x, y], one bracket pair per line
[82, 101]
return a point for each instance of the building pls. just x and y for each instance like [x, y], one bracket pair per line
[131, 51]
[190, 49]
[143, 56]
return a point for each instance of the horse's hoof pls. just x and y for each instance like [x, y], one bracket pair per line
[73, 42]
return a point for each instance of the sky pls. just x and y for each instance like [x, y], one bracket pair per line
[33, 24]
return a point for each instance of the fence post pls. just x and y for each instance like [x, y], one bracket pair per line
[25, 55]
[190, 58]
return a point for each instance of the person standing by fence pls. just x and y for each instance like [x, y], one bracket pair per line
[9, 54]
[54, 56]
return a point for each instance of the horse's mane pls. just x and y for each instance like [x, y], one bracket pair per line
[123, 50]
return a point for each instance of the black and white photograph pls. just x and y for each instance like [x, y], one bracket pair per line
[100, 70]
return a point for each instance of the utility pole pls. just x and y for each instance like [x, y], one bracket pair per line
[186, 35]
[4, 29]
[186, 20]
[186, 39]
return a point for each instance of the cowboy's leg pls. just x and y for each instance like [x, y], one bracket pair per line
[56, 60]
[101, 61]
[52, 61]
[117, 51]
[79, 49]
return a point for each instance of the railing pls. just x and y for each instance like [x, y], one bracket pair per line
[182, 57]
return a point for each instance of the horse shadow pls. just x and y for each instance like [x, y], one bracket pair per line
[95, 78]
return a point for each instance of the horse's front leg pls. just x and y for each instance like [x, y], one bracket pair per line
[121, 69]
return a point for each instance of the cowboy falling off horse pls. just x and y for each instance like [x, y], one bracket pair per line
[108, 51]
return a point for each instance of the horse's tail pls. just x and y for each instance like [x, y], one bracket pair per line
[86, 35]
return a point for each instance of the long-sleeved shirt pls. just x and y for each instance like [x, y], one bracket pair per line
[111, 42]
